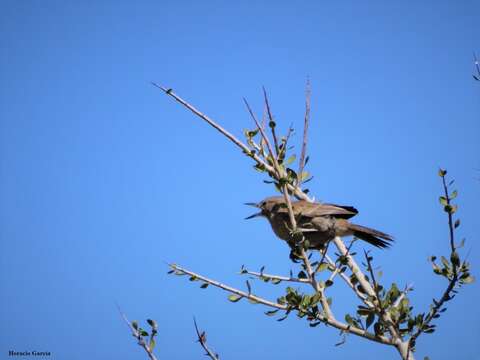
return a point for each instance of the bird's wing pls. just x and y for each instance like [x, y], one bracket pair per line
[316, 209]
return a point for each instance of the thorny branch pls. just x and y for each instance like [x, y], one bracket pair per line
[370, 295]
[277, 173]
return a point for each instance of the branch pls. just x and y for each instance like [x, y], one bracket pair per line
[202, 339]
[138, 336]
[450, 219]
[305, 132]
[477, 67]
[349, 283]
[329, 321]
[455, 261]
[277, 173]
[229, 288]
[374, 281]
[397, 340]
[272, 123]
[276, 167]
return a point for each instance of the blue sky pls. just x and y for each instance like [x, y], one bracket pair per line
[102, 176]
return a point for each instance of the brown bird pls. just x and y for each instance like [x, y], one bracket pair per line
[319, 223]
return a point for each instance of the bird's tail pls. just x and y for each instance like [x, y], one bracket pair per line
[372, 236]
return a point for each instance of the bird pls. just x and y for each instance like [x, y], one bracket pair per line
[318, 222]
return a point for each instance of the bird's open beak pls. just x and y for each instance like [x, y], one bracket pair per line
[254, 215]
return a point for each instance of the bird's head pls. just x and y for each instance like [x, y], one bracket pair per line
[268, 206]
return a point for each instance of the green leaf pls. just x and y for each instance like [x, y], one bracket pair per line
[135, 324]
[328, 283]
[445, 261]
[193, 278]
[252, 133]
[143, 332]
[454, 258]
[443, 200]
[302, 275]
[454, 194]
[322, 267]
[290, 160]
[271, 312]
[152, 323]
[304, 176]
[291, 175]
[151, 345]
[276, 281]
[234, 298]
[204, 285]
[363, 311]
[370, 319]
[316, 298]
[451, 209]
[378, 328]
[468, 280]
[442, 172]
[259, 167]
[457, 223]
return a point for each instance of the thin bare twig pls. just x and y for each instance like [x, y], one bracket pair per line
[374, 282]
[272, 154]
[202, 339]
[270, 117]
[301, 164]
[477, 67]
[349, 283]
[450, 220]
